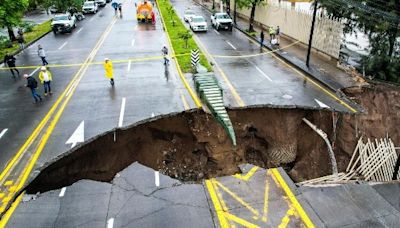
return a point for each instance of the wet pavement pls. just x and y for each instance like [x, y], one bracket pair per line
[256, 78]
[37, 133]
[141, 197]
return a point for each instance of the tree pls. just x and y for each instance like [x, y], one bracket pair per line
[250, 4]
[380, 22]
[11, 13]
[185, 36]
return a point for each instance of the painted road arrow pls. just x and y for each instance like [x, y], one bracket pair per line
[78, 136]
[322, 105]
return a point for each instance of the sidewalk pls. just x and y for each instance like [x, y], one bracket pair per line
[321, 67]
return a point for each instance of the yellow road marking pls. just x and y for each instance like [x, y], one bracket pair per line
[2, 195]
[303, 215]
[237, 198]
[218, 208]
[266, 199]
[309, 79]
[235, 94]
[248, 175]
[8, 183]
[186, 84]
[240, 221]
[30, 165]
[285, 220]
[184, 101]
[8, 214]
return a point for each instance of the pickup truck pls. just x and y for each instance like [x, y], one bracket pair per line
[63, 23]
[89, 7]
[221, 21]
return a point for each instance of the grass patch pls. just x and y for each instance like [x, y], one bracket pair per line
[175, 27]
[37, 31]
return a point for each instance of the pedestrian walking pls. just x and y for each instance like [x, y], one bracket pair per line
[261, 39]
[21, 42]
[271, 32]
[120, 9]
[45, 78]
[108, 67]
[278, 34]
[10, 61]
[32, 85]
[153, 18]
[42, 55]
[164, 51]
[115, 5]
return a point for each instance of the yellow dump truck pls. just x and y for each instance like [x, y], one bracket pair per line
[144, 11]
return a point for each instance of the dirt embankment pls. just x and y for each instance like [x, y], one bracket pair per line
[191, 146]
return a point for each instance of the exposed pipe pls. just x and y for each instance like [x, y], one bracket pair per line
[330, 150]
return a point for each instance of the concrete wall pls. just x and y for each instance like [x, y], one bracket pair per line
[296, 24]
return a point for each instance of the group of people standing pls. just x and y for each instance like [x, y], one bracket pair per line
[45, 75]
[274, 35]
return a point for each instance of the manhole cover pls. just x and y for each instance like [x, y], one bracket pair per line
[287, 96]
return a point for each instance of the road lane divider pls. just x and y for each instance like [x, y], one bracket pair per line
[61, 104]
[183, 79]
[229, 43]
[3, 132]
[122, 112]
[235, 94]
[63, 45]
[62, 192]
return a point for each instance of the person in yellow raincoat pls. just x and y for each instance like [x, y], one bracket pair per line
[108, 67]
[46, 77]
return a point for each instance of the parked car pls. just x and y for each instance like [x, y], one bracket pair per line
[100, 3]
[221, 20]
[188, 15]
[198, 24]
[63, 23]
[90, 7]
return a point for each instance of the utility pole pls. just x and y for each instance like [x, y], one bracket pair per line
[234, 12]
[311, 33]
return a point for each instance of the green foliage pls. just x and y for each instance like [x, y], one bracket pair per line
[11, 12]
[37, 31]
[181, 47]
[27, 26]
[5, 42]
[380, 22]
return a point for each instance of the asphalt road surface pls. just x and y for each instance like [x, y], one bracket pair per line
[84, 104]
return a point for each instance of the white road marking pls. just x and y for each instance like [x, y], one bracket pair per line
[217, 32]
[33, 72]
[79, 31]
[152, 114]
[157, 178]
[122, 113]
[78, 136]
[133, 43]
[61, 47]
[62, 193]
[322, 105]
[231, 45]
[110, 223]
[129, 65]
[262, 72]
[92, 19]
[3, 132]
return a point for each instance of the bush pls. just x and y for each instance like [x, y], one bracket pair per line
[5, 42]
[27, 26]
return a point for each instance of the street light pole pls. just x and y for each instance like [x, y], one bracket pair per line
[311, 33]
[234, 12]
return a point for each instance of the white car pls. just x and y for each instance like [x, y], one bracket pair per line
[198, 24]
[221, 21]
[89, 7]
[101, 3]
[188, 15]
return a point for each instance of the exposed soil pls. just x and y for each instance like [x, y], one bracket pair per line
[192, 146]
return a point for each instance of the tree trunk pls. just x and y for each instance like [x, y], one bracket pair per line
[252, 14]
[11, 33]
